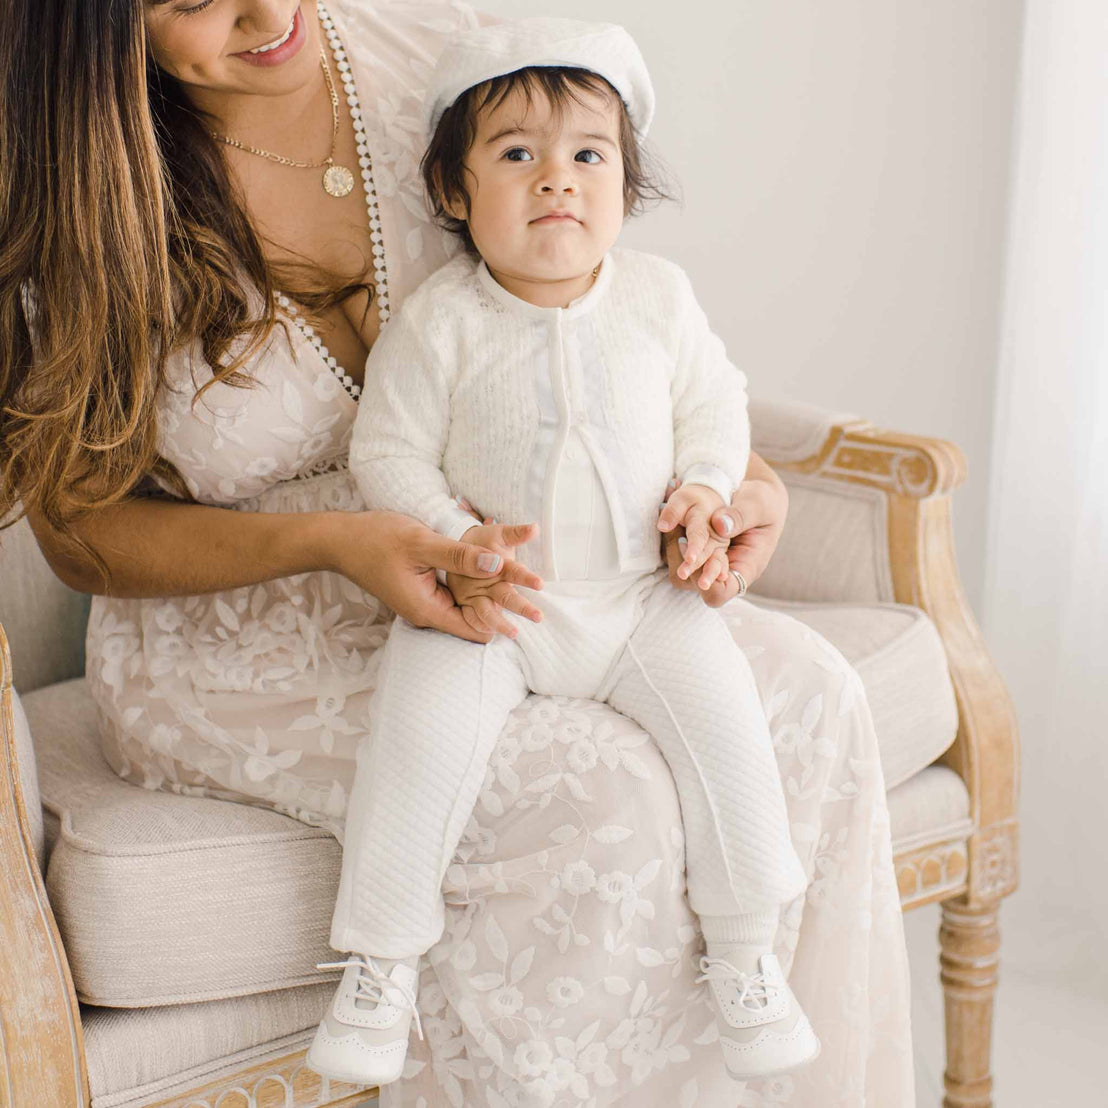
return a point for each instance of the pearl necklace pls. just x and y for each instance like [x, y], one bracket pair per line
[380, 273]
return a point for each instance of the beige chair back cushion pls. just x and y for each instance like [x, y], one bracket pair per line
[44, 620]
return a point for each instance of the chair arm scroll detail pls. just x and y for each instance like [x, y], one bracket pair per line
[917, 476]
[904, 465]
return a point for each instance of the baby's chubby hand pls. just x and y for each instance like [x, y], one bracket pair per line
[484, 599]
[691, 507]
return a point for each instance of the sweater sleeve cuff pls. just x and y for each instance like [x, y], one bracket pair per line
[711, 477]
[453, 522]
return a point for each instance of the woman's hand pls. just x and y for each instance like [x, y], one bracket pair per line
[483, 600]
[394, 558]
[753, 522]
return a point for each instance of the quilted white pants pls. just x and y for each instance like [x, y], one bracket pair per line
[655, 654]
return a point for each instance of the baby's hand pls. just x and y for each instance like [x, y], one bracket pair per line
[483, 599]
[691, 507]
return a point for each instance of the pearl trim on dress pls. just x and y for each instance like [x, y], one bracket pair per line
[380, 271]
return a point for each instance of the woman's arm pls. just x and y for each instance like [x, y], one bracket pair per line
[156, 547]
[754, 522]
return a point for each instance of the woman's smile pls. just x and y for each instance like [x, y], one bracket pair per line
[280, 49]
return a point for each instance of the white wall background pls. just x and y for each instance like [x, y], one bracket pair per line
[844, 168]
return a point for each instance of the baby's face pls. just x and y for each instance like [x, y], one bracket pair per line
[546, 194]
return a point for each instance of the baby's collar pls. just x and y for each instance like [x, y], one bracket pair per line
[582, 305]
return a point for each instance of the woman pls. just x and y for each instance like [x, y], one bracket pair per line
[176, 429]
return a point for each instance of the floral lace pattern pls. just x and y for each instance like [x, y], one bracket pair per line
[566, 975]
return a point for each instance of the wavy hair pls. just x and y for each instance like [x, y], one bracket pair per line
[122, 238]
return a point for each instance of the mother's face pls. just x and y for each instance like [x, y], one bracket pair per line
[259, 47]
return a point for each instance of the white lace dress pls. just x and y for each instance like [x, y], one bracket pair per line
[566, 976]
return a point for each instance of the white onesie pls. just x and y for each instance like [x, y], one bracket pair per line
[575, 418]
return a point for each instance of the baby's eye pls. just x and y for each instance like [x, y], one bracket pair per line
[587, 157]
[517, 154]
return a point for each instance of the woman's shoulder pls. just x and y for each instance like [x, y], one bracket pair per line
[410, 31]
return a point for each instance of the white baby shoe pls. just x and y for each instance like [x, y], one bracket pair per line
[762, 1030]
[363, 1038]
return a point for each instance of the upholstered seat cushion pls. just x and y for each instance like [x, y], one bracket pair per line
[165, 899]
[140, 1055]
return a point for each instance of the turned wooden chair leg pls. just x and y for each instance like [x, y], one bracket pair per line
[970, 943]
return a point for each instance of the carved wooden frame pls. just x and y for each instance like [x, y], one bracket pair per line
[42, 1055]
[968, 875]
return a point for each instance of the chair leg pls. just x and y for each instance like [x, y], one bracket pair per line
[970, 943]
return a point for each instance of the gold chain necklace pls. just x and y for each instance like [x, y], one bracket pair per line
[337, 179]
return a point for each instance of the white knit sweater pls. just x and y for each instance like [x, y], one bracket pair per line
[471, 391]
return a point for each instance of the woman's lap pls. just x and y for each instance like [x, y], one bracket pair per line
[567, 971]
[566, 974]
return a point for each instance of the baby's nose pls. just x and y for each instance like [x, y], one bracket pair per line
[563, 185]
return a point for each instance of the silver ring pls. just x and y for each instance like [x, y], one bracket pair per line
[741, 580]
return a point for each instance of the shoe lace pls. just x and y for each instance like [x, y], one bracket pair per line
[371, 984]
[755, 987]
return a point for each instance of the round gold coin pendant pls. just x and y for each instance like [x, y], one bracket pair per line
[338, 180]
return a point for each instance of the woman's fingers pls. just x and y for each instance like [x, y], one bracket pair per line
[674, 552]
[439, 552]
[750, 553]
[728, 521]
[506, 596]
[441, 613]
[757, 514]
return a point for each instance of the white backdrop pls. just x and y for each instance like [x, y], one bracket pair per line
[844, 168]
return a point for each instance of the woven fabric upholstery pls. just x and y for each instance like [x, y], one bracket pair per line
[139, 1055]
[790, 431]
[43, 620]
[836, 546]
[165, 899]
[932, 805]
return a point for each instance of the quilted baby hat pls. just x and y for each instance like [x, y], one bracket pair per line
[501, 48]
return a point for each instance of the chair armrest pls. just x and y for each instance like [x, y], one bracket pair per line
[42, 1050]
[911, 479]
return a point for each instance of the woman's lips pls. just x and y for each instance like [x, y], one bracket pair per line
[287, 49]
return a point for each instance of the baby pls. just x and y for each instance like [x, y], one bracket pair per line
[552, 377]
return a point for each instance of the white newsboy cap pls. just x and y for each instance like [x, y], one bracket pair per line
[501, 48]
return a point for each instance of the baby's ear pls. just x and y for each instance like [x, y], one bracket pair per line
[453, 206]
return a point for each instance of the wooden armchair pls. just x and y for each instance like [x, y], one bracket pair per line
[870, 531]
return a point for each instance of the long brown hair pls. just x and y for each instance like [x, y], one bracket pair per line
[122, 237]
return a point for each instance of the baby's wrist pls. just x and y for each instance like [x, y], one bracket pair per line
[710, 477]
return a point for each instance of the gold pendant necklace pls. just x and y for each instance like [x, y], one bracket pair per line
[338, 181]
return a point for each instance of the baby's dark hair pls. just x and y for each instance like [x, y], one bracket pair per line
[443, 164]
